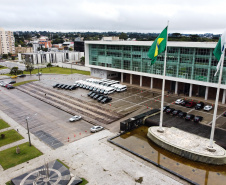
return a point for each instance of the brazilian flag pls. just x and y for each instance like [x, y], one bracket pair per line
[158, 46]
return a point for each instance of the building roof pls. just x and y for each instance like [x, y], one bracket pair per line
[149, 43]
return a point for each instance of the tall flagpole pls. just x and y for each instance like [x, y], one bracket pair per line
[210, 147]
[163, 85]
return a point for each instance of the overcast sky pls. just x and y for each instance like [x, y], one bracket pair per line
[185, 16]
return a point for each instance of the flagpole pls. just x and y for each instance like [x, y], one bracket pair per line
[210, 147]
[160, 129]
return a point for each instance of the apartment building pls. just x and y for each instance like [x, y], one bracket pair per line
[7, 42]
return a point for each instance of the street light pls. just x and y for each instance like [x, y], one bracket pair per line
[28, 131]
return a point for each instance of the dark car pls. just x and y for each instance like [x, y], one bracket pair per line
[91, 88]
[165, 108]
[87, 87]
[170, 110]
[12, 82]
[81, 85]
[54, 86]
[67, 87]
[59, 86]
[78, 84]
[189, 117]
[199, 105]
[91, 92]
[101, 97]
[197, 119]
[182, 114]
[102, 91]
[224, 114]
[96, 96]
[8, 86]
[176, 112]
[63, 86]
[184, 102]
[73, 87]
[106, 100]
[23, 75]
[190, 104]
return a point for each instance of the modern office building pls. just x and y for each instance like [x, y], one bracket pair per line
[190, 66]
[7, 42]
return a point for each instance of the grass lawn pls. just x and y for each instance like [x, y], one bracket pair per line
[63, 163]
[3, 67]
[24, 82]
[3, 124]
[9, 158]
[10, 137]
[58, 70]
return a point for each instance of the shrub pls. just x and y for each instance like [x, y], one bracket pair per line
[2, 136]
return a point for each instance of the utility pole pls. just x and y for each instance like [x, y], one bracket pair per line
[28, 132]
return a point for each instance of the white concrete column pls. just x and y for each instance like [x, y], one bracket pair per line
[39, 59]
[223, 98]
[151, 86]
[131, 79]
[190, 90]
[176, 88]
[206, 93]
[141, 81]
[47, 58]
[121, 77]
[19, 56]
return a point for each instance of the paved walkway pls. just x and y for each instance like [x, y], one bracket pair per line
[94, 159]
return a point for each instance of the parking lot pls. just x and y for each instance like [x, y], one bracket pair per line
[50, 120]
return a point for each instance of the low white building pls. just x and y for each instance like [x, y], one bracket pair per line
[42, 57]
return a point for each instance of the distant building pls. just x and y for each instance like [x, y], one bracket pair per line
[67, 45]
[79, 44]
[7, 42]
[44, 42]
[110, 38]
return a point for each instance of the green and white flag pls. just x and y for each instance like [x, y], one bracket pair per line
[158, 46]
[219, 49]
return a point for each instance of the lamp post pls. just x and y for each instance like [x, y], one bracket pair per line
[28, 132]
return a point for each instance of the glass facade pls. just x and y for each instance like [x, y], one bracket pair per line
[188, 63]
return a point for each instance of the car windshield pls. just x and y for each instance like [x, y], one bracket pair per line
[199, 104]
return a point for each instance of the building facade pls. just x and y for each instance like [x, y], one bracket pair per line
[190, 66]
[7, 42]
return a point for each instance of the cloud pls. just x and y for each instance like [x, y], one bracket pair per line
[117, 15]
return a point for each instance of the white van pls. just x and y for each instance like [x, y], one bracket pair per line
[121, 88]
[109, 90]
[115, 86]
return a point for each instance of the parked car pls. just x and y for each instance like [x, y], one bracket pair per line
[101, 98]
[63, 86]
[54, 86]
[189, 117]
[224, 114]
[184, 102]
[23, 75]
[13, 76]
[92, 95]
[165, 108]
[73, 87]
[199, 106]
[2, 83]
[169, 110]
[179, 101]
[182, 114]
[176, 112]
[96, 96]
[8, 86]
[59, 86]
[197, 119]
[96, 128]
[75, 118]
[91, 92]
[106, 100]
[190, 104]
[12, 82]
[68, 87]
[208, 107]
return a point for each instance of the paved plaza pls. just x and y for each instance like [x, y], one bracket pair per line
[88, 155]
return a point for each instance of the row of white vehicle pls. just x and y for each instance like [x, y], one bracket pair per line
[104, 86]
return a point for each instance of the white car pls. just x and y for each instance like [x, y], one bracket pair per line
[75, 118]
[208, 107]
[179, 101]
[96, 128]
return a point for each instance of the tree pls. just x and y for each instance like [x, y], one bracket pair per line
[70, 49]
[13, 71]
[49, 65]
[29, 66]
[5, 56]
[123, 36]
[82, 60]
